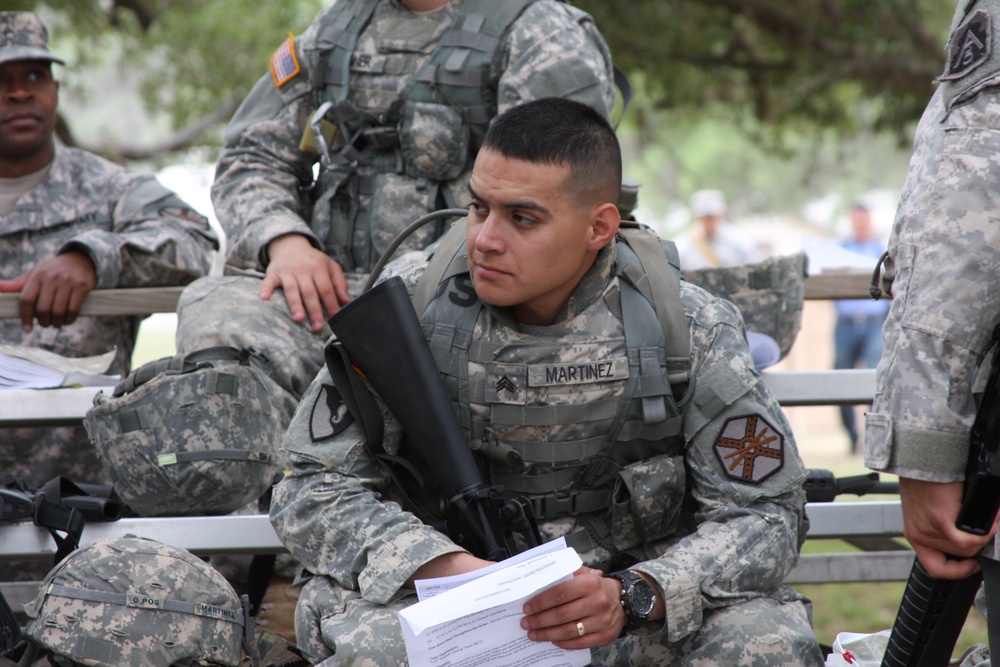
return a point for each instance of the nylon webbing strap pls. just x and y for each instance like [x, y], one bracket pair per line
[143, 601]
[213, 455]
[664, 287]
[439, 265]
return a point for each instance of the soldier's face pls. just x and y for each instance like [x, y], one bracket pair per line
[28, 100]
[530, 239]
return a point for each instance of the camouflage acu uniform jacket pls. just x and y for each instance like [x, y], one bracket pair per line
[723, 517]
[945, 264]
[136, 231]
[264, 180]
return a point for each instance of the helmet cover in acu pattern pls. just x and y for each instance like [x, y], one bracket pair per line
[190, 434]
[135, 601]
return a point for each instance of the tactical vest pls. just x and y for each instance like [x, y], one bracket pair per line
[450, 99]
[573, 476]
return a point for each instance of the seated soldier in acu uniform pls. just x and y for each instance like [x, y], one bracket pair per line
[683, 497]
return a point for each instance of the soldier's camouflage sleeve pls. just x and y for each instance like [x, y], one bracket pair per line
[945, 252]
[330, 515]
[137, 232]
[155, 238]
[555, 50]
[261, 171]
[746, 479]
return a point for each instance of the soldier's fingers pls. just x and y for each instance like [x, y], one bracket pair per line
[339, 285]
[75, 304]
[34, 303]
[941, 566]
[294, 300]
[59, 305]
[310, 296]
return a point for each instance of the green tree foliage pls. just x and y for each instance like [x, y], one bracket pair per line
[782, 65]
[772, 67]
[196, 60]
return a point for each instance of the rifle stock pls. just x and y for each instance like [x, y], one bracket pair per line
[933, 611]
[384, 340]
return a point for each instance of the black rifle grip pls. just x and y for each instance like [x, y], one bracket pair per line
[930, 618]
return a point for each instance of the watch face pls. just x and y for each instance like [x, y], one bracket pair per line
[643, 598]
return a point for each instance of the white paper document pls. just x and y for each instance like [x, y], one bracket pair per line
[34, 368]
[479, 622]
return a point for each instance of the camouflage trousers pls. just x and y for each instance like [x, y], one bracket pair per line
[339, 628]
[228, 311]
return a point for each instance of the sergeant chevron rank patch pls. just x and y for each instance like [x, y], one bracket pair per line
[750, 449]
[329, 414]
[969, 46]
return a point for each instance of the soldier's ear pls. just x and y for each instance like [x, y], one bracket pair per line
[605, 220]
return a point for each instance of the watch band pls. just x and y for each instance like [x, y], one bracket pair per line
[635, 589]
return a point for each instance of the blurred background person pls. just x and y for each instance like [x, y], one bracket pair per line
[857, 335]
[713, 240]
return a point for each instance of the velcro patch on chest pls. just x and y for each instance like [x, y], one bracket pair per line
[969, 46]
[750, 449]
[506, 383]
[329, 415]
[550, 375]
[368, 63]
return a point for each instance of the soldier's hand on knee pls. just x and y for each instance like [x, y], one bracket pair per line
[313, 283]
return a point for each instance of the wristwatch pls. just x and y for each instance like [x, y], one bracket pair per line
[638, 598]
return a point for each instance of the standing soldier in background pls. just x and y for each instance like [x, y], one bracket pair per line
[71, 222]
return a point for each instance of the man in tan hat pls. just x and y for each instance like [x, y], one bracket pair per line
[713, 241]
[71, 222]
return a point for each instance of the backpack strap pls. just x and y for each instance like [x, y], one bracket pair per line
[659, 282]
[449, 259]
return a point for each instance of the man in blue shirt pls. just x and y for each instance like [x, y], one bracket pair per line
[858, 334]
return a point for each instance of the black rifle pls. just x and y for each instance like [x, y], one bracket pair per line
[933, 611]
[60, 505]
[384, 344]
[822, 487]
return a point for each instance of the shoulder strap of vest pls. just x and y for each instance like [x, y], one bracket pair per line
[449, 259]
[336, 39]
[658, 279]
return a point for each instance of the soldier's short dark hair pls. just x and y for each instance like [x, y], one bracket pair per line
[555, 130]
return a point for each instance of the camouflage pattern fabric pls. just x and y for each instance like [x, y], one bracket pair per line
[945, 258]
[138, 234]
[770, 294]
[337, 511]
[23, 36]
[134, 601]
[189, 435]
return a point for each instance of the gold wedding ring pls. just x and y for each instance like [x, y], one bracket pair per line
[580, 630]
